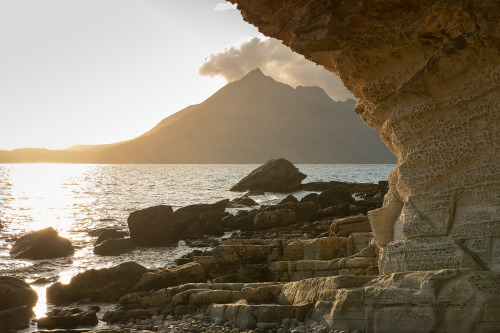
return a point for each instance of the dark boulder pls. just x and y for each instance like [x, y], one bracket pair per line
[211, 222]
[306, 211]
[277, 175]
[341, 210]
[199, 209]
[114, 246]
[108, 234]
[15, 319]
[274, 219]
[184, 220]
[243, 201]
[153, 226]
[311, 197]
[85, 319]
[107, 284]
[289, 199]
[42, 244]
[15, 293]
[335, 196]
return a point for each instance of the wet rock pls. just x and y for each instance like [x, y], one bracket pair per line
[199, 209]
[107, 284]
[187, 273]
[15, 293]
[153, 226]
[335, 196]
[243, 201]
[15, 319]
[277, 175]
[108, 234]
[42, 244]
[43, 280]
[115, 246]
[85, 318]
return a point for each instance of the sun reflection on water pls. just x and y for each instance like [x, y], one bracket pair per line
[42, 193]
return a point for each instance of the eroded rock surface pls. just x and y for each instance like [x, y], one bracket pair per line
[425, 74]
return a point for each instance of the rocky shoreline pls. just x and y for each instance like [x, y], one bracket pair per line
[244, 283]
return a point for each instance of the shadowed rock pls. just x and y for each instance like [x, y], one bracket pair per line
[42, 244]
[107, 284]
[153, 226]
[15, 293]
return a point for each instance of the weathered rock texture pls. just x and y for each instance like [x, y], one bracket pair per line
[426, 75]
[452, 300]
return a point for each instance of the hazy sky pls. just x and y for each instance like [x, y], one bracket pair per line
[102, 71]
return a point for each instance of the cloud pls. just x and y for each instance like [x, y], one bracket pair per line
[222, 6]
[275, 60]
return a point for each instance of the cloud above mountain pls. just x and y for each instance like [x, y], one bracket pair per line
[275, 60]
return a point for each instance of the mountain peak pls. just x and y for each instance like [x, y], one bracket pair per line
[255, 74]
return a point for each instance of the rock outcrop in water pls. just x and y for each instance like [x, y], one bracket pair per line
[17, 299]
[425, 74]
[42, 244]
[276, 175]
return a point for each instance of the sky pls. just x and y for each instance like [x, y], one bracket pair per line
[94, 71]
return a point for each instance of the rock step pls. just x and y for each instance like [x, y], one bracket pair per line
[203, 294]
[285, 271]
[246, 316]
[318, 289]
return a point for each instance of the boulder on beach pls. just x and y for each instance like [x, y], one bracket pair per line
[153, 226]
[16, 293]
[276, 175]
[114, 246]
[107, 284]
[42, 244]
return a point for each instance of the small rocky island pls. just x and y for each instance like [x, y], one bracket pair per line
[266, 277]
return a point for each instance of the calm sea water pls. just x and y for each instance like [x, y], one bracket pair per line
[77, 198]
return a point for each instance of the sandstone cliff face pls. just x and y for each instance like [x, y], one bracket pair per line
[426, 75]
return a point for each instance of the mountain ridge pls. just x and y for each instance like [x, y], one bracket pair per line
[247, 121]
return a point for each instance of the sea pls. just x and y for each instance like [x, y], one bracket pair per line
[77, 198]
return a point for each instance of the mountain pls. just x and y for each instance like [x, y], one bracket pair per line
[248, 121]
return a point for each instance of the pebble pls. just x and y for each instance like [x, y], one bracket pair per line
[201, 323]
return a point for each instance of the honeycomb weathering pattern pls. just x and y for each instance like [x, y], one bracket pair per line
[426, 75]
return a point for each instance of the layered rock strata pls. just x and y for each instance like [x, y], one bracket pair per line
[425, 74]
